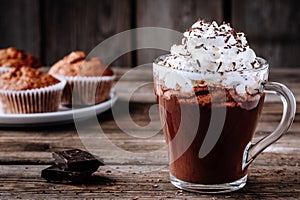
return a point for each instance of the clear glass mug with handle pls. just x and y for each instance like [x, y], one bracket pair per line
[209, 127]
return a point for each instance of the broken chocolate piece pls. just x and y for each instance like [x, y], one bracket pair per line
[76, 160]
[55, 174]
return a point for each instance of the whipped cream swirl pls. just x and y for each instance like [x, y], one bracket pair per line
[210, 47]
[216, 54]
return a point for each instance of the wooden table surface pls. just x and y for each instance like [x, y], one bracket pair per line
[137, 167]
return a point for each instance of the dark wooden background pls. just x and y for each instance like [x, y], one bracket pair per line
[52, 28]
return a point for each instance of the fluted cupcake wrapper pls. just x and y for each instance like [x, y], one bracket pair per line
[86, 90]
[39, 100]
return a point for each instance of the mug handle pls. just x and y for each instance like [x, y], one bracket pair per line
[288, 115]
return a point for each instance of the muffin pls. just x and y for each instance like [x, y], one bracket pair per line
[88, 81]
[14, 58]
[28, 90]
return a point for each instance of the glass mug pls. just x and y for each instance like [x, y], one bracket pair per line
[209, 128]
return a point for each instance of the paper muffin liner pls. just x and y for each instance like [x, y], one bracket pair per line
[83, 91]
[46, 99]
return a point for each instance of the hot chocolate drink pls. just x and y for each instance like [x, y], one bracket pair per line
[210, 92]
[224, 163]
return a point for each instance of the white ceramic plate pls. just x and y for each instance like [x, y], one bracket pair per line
[64, 115]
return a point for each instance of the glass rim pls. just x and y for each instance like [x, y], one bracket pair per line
[263, 62]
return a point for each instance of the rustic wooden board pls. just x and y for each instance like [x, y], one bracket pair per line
[51, 29]
[175, 15]
[36, 144]
[279, 54]
[25, 182]
[20, 25]
[24, 152]
[271, 27]
[78, 25]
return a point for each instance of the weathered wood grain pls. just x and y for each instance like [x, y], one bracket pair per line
[51, 29]
[271, 27]
[175, 15]
[109, 183]
[24, 152]
[35, 145]
[267, 18]
[20, 25]
[78, 25]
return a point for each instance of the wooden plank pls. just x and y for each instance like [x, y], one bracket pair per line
[282, 153]
[279, 54]
[24, 152]
[20, 25]
[175, 15]
[267, 18]
[36, 144]
[81, 25]
[39, 150]
[272, 28]
[25, 182]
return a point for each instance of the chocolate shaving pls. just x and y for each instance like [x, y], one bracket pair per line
[227, 38]
[232, 31]
[198, 63]
[200, 46]
[220, 64]
[197, 28]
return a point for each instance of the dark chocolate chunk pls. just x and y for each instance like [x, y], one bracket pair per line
[76, 160]
[55, 174]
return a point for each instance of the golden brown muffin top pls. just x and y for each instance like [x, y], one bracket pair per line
[26, 78]
[13, 57]
[74, 64]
